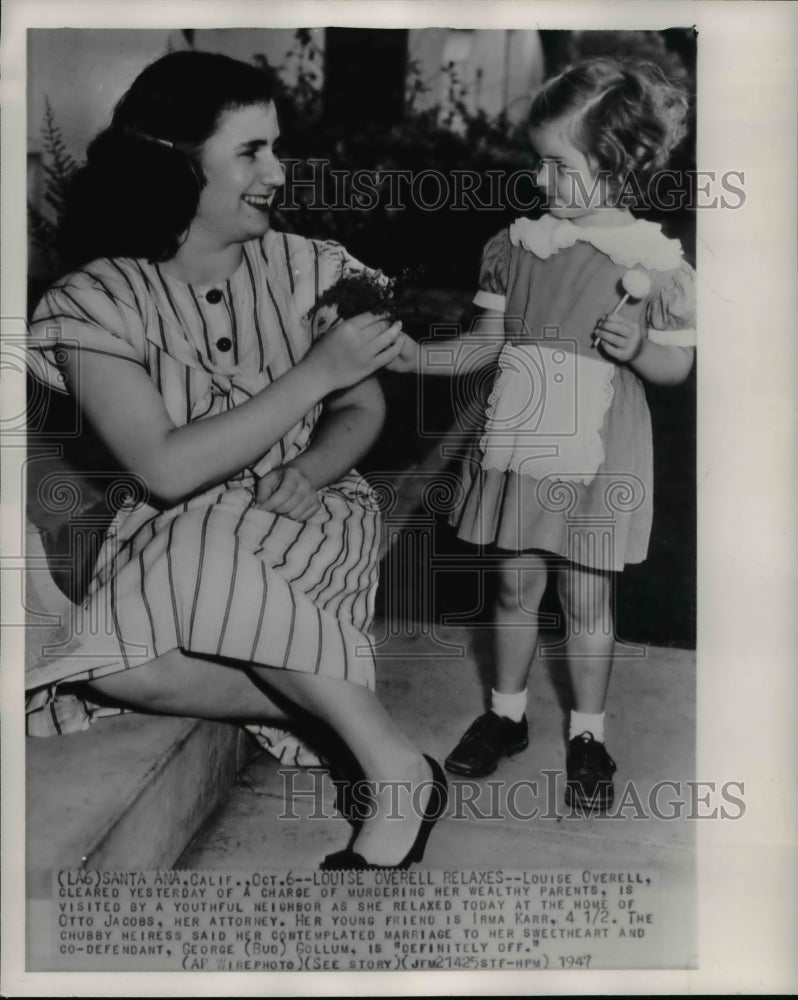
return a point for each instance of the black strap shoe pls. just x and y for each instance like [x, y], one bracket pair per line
[485, 742]
[589, 774]
[435, 808]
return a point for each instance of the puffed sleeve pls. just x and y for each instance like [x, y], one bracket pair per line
[671, 312]
[82, 312]
[494, 272]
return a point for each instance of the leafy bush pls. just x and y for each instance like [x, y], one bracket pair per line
[347, 184]
[58, 166]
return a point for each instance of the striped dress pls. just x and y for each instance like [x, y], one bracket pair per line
[214, 575]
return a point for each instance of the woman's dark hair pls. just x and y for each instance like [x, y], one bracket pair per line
[138, 191]
[627, 116]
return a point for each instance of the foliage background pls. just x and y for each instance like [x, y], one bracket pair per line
[444, 243]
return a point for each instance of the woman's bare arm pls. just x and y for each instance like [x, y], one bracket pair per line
[350, 424]
[128, 413]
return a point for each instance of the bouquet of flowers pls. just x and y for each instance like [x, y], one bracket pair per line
[352, 294]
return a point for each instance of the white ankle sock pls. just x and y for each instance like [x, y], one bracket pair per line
[513, 706]
[584, 722]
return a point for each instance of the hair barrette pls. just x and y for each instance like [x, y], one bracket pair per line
[148, 138]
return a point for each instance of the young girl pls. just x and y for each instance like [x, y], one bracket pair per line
[561, 479]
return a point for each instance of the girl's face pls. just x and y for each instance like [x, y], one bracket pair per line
[566, 175]
[242, 173]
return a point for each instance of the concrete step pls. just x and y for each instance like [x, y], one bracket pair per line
[127, 795]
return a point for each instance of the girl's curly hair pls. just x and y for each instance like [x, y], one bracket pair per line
[627, 116]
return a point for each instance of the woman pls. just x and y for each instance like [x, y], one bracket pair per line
[241, 587]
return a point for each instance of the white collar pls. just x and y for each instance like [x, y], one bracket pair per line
[641, 243]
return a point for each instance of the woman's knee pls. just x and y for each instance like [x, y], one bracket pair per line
[152, 686]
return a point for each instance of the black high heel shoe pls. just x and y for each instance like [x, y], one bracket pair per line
[436, 806]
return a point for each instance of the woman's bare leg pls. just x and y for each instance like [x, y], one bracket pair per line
[176, 684]
[383, 752]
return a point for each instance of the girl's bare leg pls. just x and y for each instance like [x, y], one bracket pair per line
[521, 583]
[585, 598]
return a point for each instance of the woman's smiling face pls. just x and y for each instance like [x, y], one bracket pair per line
[242, 174]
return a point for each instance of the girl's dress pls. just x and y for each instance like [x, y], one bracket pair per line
[213, 575]
[564, 461]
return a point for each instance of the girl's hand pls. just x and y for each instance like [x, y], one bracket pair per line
[289, 492]
[409, 357]
[355, 348]
[621, 338]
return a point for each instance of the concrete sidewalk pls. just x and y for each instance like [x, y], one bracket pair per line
[434, 697]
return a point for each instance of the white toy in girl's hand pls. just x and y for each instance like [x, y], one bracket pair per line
[636, 285]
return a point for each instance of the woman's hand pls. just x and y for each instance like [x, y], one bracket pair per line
[289, 492]
[354, 349]
[621, 339]
[409, 357]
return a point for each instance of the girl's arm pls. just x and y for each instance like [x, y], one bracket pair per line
[625, 340]
[663, 364]
[475, 348]
[671, 310]
[128, 413]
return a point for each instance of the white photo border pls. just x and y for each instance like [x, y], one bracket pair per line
[748, 360]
